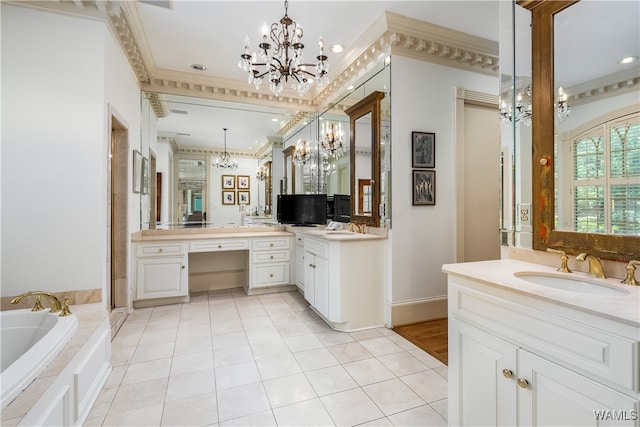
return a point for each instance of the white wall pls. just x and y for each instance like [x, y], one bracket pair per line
[422, 238]
[59, 76]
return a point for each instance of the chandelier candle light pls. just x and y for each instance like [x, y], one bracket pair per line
[262, 173]
[302, 152]
[331, 144]
[523, 112]
[224, 161]
[283, 62]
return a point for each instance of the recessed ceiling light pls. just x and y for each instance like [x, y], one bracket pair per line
[350, 87]
[628, 60]
[198, 67]
[274, 120]
[337, 48]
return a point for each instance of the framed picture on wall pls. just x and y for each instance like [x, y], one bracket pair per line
[145, 176]
[137, 171]
[424, 187]
[228, 197]
[228, 182]
[243, 197]
[243, 182]
[423, 154]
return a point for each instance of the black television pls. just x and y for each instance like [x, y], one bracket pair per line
[302, 209]
[342, 207]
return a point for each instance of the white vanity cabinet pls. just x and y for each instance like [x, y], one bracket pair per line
[161, 270]
[344, 279]
[270, 262]
[516, 359]
[299, 265]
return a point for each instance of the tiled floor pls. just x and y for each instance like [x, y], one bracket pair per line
[228, 359]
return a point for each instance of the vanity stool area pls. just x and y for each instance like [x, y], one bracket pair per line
[340, 273]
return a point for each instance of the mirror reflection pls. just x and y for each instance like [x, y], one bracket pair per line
[597, 144]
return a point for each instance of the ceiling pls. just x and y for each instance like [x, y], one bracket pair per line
[176, 34]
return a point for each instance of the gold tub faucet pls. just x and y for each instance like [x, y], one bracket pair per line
[595, 266]
[631, 270]
[56, 306]
[358, 228]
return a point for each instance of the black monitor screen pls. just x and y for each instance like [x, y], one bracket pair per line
[342, 207]
[302, 209]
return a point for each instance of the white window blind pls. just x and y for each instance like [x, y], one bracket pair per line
[606, 178]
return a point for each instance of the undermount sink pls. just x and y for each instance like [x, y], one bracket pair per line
[568, 283]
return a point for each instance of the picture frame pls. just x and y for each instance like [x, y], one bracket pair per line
[228, 182]
[244, 182]
[423, 149]
[137, 171]
[244, 197]
[228, 197]
[424, 187]
[144, 187]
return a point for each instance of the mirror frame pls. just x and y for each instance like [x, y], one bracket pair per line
[605, 246]
[369, 104]
[288, 160]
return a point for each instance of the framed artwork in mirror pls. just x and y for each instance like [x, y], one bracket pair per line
[228, 197]
[424, 187]
[243, 182]
[243, 197]
[137, 171]
[228, 182]
[145, 176]
[423, 153]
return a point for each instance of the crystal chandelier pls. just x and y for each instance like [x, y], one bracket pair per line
[280, 59]
[262, 173]
[224, 161]
[302, 152]
[331, 144]
[523, 112]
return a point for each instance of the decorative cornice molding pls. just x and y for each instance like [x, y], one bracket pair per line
[473, 97]
[299, 117]
[159, 106]
[214, 151]
[604, 87]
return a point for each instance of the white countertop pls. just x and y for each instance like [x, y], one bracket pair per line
[208, 233]
[624, 307]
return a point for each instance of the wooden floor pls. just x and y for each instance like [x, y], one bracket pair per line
[430, 336]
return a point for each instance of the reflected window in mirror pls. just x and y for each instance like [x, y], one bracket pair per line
[191, 189]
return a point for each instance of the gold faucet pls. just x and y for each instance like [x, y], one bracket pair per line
[359, 228]
[595, 266]
[564, 267]
[631, 278]
[56, 306]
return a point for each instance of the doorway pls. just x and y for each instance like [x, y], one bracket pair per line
[118, 251]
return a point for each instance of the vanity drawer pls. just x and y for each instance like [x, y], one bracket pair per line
[316, 247]
[270, 256]
[270, 275]
[271, 243]
[160, 249]
[218, 245]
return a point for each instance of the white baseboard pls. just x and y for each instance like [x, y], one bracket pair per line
[408, 312]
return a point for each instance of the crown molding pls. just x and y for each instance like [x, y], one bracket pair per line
[604, 87]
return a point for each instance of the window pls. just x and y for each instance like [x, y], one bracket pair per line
[606, 177]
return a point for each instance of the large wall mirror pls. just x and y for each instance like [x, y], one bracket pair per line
[585, 168]
[365, 131]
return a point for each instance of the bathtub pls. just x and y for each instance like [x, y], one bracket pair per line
[29, 342]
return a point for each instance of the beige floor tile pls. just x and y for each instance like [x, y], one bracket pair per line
[139, 395]
[402, 342]
[351, 407]
[368, 371]
[145, 416]
[157, 350]
[443, 371]
[263, 419]
[426, 358]
[381, 346]
[402, 363]
[428, 385]
[349, 352]
[303, 343]
[331, 380]
[421, 416]
[192, 362]
[441, 407]
[263, 335]
[146, 371]
[285, 318]
[288, 390]
[190, 384]
[311, 360]
[242, 401]
[236, 375]
[200, 410]
[116, 376]
[102, 404]
[330, 337]
[226, 327]
[366, 334]
[272, 348]
[189, 346]
[307, 413]
[278, 366]
[393, 396]
[231, 355]
[231, 339]
[257, 323]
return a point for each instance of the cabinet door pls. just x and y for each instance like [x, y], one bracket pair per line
[321, 283]
[162, 277]
[482, 377]
[300, 267]
[309, 277]
[556, 395]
